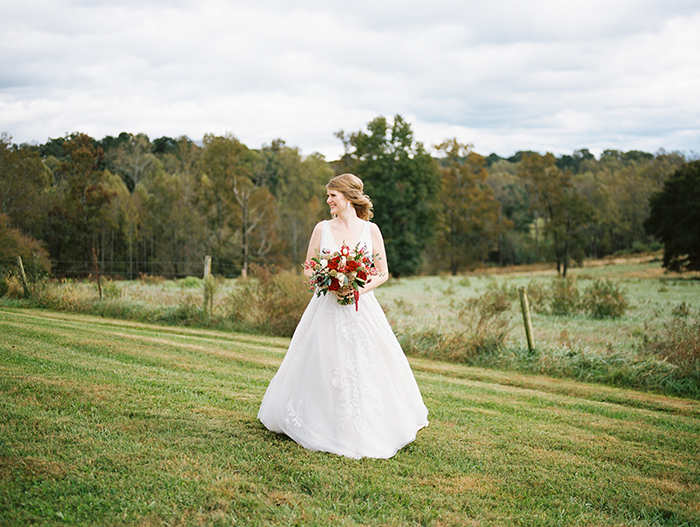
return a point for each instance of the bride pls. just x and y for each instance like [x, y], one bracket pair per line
[345, 385]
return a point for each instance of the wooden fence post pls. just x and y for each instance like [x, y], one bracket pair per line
[97, 271]
[208, 297]
[207, 266]
[23, 274]
[526, 318]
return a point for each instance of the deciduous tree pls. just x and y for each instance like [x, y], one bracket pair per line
[79, 220]
[237, 207]
[14, 243]
[675, 218]
[298, 185]
[403, 182]
[134, 160]
[470, 214]
[558, 201]
[23, 182]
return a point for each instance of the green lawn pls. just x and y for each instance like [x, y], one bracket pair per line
[106, 422]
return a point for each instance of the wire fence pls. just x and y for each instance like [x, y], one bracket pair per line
[127, 269]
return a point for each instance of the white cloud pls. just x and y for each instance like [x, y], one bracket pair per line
[502, 75]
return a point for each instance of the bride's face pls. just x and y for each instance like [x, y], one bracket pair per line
[337, 201]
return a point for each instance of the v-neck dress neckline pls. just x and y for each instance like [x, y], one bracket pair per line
[363, 238]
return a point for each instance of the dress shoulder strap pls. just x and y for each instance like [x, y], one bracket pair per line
[327, 241]
[366, 236]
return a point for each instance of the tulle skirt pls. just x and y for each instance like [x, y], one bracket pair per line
[345, 385]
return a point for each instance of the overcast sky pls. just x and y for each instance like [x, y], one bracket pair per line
[503, 75]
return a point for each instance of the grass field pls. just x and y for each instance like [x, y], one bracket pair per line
[107, 422]
[652, 295]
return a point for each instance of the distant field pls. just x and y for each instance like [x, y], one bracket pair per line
[652, 293]
[108, 422]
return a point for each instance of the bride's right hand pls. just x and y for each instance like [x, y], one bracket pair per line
[344, 292]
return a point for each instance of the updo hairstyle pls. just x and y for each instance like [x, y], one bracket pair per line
[351, 187]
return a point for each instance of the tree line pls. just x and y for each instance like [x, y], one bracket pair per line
[158, 206]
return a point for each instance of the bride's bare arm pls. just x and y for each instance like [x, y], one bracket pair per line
[379, 260]
[314, 246]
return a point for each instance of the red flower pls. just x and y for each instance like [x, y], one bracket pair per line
[353, 266]
[362, 275]
[335, 285]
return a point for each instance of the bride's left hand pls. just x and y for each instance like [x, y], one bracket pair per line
[345, 292]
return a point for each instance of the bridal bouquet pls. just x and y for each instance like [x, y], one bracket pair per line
[342, 271]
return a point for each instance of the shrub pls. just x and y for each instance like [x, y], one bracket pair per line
[492, 303]
[14, 287]
[489, 323]
[268, 302]
[509, 292]
[537, 296]
[449, 290]
[602, 299]
[13, 243]
[564, 297]
[190, 282]
[3, 286]
[212, 285]
[605, 299]
[66, 295]
[639, 247]
[110, 290]
[680, 345]
[152, 279]
[482, 329]
[681, 310]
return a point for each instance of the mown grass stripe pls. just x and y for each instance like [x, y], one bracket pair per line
[105, 424]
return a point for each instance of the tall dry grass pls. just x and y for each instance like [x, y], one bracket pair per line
[269, 302]
[482, 328]
[266, 303]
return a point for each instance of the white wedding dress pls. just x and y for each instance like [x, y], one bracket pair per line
[345, 385]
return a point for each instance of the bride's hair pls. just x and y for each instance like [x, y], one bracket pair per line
[351, 186]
